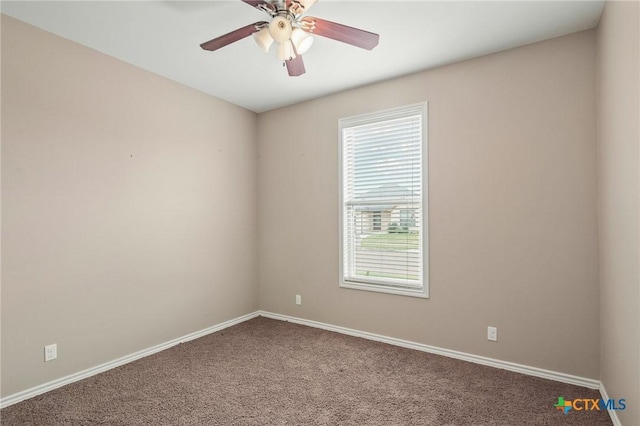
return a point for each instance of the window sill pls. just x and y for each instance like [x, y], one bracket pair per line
[421, 292]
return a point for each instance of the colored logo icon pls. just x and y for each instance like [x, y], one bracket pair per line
[563, 405]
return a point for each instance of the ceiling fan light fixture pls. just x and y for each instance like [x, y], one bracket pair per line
[280, 29]
[292, 30]
[285, 51]
[301, 40]
[263, 39]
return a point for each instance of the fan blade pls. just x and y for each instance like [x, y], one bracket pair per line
[295, 66]
[231, 37]
[343, 33]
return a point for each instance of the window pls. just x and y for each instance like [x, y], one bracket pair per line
[383, 196]
[407, 218]
[377, 221]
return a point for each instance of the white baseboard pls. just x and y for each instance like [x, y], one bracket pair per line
[505, 365]
[46, 387]
[612, 413]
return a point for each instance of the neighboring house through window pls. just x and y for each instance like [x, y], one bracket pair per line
[383, 220]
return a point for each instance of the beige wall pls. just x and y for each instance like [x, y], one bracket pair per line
[129, 208]
[512, 208]
[618, 187]
[0, 208]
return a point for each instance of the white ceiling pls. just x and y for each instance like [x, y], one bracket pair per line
[164, 37]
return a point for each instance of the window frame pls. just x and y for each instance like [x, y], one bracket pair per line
[369, 118]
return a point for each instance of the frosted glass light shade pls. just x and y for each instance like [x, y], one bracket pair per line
[285, 51]
[263, 39]
[280, 29]
[301, 40]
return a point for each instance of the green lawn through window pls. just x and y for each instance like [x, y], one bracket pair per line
[406, 241]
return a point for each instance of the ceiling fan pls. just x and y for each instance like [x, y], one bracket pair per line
[292, 31]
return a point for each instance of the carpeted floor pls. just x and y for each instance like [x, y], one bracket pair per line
[268, 372]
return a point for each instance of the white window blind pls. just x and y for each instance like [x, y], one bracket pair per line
[383, 214]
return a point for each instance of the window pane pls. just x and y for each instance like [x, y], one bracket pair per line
[382, 199]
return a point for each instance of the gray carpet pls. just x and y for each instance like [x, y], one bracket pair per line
[268, 372]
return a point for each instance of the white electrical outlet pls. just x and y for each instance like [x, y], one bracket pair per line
[492, 333]
[50, 352]
[298, 299]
